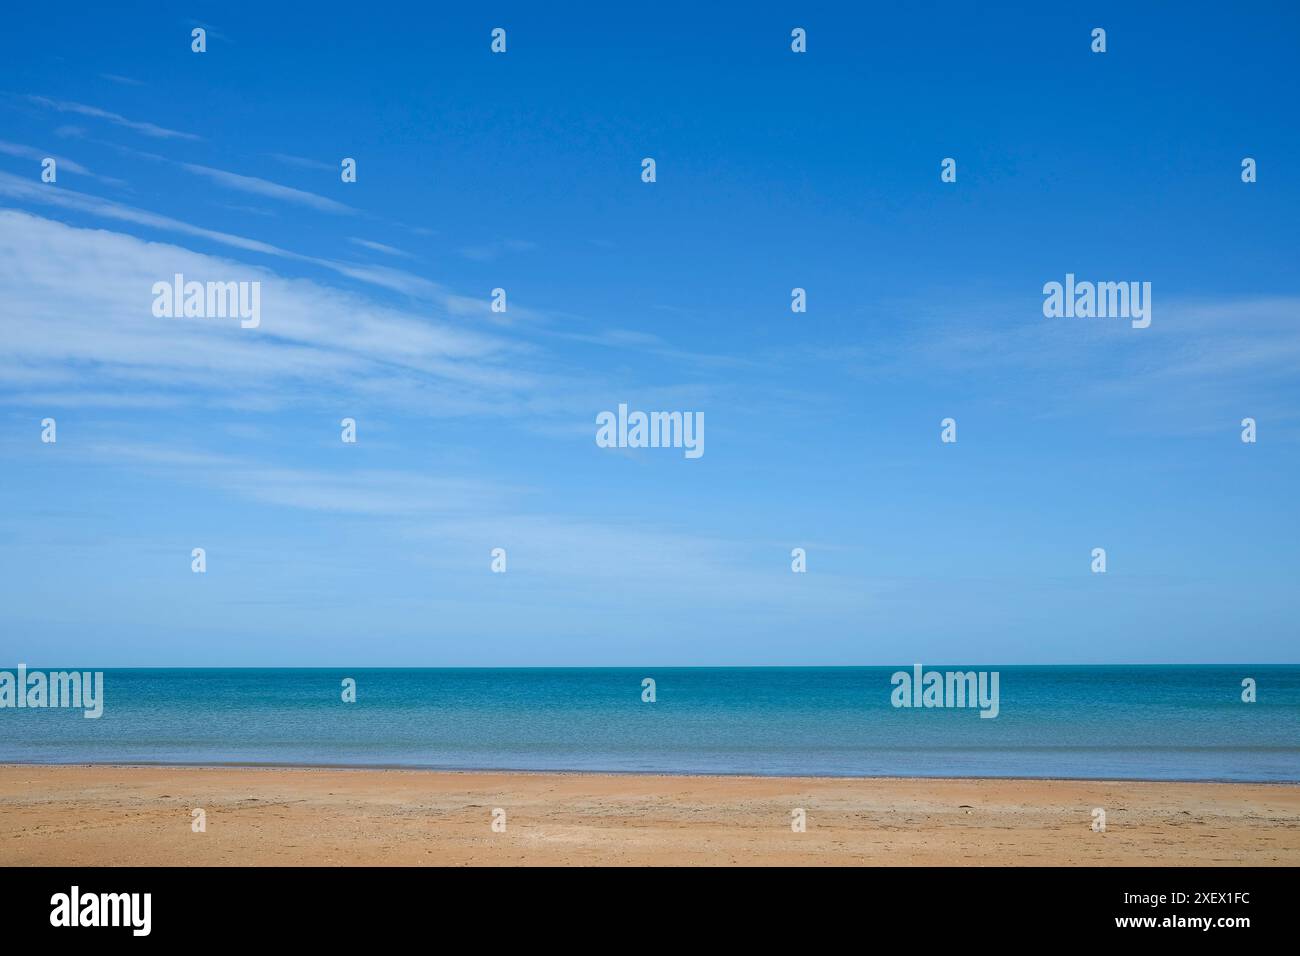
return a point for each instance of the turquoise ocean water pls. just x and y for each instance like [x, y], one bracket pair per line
[1158, 722]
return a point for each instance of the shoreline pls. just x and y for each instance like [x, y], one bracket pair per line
[134, 815]
[568, 772]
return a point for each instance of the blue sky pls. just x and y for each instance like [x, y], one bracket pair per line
[476, 430]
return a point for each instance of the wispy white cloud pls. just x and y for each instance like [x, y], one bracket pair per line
[302, 162]
[451, 522]
[264, 187]
[19, 188]
[379, 247]
[376, 492]
[31, 152]
[37, 155]
[212, 31]
[122, 80]
[81, 299]
[1199, 361]
[30, 191]
[147, 129]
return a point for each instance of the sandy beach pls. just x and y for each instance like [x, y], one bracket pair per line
[98, 815]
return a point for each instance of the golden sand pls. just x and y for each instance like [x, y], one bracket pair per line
[98, 815]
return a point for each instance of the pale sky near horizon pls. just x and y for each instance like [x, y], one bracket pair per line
[476, 429]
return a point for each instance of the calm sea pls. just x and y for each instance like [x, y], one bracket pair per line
[1161, 722]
